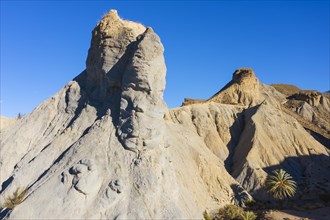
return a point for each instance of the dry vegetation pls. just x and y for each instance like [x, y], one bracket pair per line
[16, 199]
[231, 212]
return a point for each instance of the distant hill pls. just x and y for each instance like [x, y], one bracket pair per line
[327, 94]
[286, 89]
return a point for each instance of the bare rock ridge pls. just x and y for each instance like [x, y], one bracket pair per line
[312, 97]
[311, 108]
[107, 147]
[242, 89]
[261, 121]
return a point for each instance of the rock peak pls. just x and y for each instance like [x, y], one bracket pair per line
[111, 15]
[112, 12]
[243, 89]
[110, 39]
[112, 26]
[242, 73]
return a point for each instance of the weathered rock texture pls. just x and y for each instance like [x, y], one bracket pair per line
[5, 122]
[311, 108]
[106, 146]
[284, 128]
[244, 90]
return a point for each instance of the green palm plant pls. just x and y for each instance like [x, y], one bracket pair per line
[280, 185]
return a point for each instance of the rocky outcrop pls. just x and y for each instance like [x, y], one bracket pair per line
[242, 89]
[189, 101]
[107, 147]
[264, 147]
[250, 145]
[263, 122]
[102, 144]
[246, 90]
[310, 107]
[110, 40]
[312, 110]
[312, 97]
[142, 107]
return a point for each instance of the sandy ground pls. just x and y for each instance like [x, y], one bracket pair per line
[316, 214]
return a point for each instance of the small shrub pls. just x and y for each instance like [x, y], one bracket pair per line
[248, 215]
[20, 115]
[250, 203]
[207, 216]
[230, 212]
[255, 205]
[16, 199]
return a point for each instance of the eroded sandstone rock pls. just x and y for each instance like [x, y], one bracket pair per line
[106, 146]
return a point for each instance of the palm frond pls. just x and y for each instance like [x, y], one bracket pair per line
[280, 184]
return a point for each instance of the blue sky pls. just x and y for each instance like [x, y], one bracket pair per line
[44, 44]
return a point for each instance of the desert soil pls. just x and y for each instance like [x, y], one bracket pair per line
[316, 214]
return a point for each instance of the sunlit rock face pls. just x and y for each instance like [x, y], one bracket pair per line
[101, 148]
[107, 147]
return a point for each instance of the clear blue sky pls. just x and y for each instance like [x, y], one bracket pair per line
[44, 44]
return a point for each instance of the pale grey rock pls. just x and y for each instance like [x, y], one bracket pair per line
[101, 149]
[306, 111]
[116, 185]
[110, 40]
[5, 122]
[85, 179]
[142, 107]
[106, 146]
